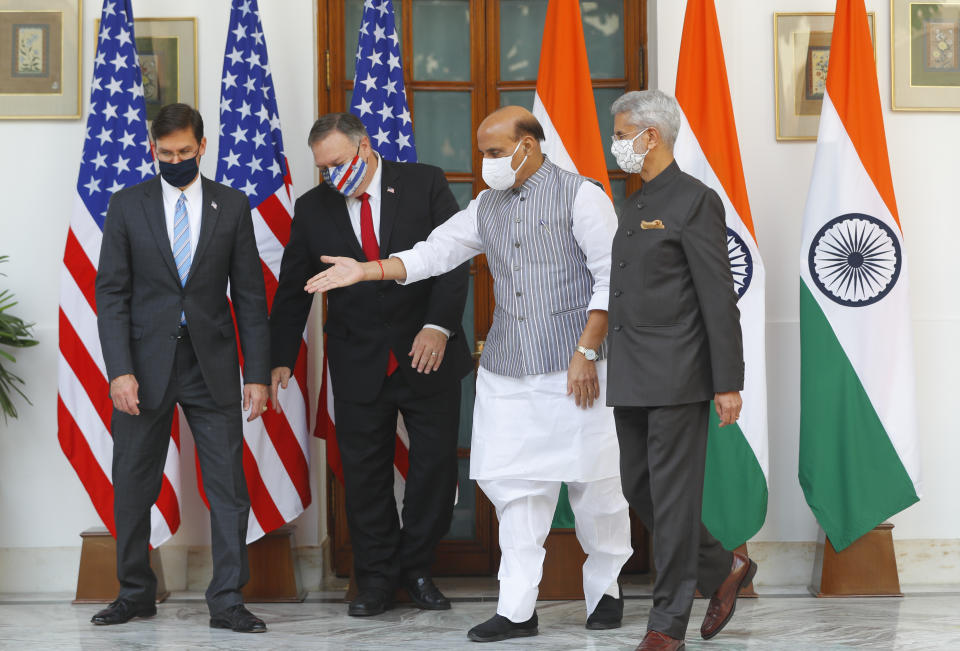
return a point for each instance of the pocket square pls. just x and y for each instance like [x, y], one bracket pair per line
[656, 224]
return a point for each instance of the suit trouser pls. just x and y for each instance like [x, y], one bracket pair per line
[662, 458]
[525, 510]
[384, 552]
[140, 446]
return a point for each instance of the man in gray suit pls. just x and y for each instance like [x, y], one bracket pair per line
[170, 247]
[675, 344]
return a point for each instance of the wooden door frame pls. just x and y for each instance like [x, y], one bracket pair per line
[481, 556]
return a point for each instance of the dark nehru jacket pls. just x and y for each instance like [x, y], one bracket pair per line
[674, 324]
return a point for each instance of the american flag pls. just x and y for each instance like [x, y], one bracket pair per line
[251, 159]
[116, 154]
[380, 101]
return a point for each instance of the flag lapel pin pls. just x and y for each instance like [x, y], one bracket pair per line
[213, 204]
[391, 190]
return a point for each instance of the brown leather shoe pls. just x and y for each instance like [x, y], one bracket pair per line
[724, 600]
[657, 641]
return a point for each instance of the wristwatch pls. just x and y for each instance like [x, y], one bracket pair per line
[589, 353]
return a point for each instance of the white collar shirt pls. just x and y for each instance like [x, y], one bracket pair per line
[194, 197]
[353, 204]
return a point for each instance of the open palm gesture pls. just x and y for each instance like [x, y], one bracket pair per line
[343, 273]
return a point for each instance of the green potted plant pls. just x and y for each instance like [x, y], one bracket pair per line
[17, 334]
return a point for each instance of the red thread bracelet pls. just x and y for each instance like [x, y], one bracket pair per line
[381, 269]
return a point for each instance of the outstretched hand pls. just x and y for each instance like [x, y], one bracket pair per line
[343, 273]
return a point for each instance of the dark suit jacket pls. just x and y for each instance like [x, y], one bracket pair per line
[366, 320]
[139, 297]
[674, 323]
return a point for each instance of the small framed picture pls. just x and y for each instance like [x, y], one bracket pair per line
[167, 49]
[925, 55]
[40, 59]
[801, 59]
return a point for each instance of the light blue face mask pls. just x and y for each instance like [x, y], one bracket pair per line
[346, 178]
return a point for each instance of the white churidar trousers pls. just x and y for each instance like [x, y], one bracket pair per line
[525, 509]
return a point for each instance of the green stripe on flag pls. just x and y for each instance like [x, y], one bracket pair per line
[734, 489]
[850, 473]
[563, 515]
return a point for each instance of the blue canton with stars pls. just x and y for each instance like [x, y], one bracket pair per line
[379, 98]
[251, 147]
[116, 150]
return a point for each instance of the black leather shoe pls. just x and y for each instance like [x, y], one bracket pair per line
[122, 611]
[499, 628]
[608, 613]
[425, 593]
[238, 618]
[370, 601]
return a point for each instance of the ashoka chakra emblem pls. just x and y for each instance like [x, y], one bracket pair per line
[741, 262]
[855, 259]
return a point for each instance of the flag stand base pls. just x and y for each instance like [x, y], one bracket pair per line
[97, 577]
[563, 554]
[274, 572]
[867, 568]
[747, 593]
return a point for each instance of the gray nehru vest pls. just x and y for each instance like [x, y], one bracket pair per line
[542, 284]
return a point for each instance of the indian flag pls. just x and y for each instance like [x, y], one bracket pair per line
[565, 108]
[564, 100]
[735, 483]
[858, 437]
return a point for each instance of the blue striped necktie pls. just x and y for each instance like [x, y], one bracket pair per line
[181, 243]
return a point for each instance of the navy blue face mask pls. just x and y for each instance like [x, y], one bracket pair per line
[180, 174]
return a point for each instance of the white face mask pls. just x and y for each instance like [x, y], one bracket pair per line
[498, 173]
[629, 161]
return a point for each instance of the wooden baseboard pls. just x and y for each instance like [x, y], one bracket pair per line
[867, 568]
[97, 581]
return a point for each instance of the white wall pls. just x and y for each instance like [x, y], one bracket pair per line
[924, 166]
[42, 503]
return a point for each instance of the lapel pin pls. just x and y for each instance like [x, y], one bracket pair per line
[391, 190]
[213, 204]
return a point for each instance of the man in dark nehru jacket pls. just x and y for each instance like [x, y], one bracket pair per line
[390, 348]
[675, 344]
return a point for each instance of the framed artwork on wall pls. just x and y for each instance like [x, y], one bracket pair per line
[167, 49]
[40, 59]
[925, 55]
[801, 44]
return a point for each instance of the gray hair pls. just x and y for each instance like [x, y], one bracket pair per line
[651, 108]
[346, 123]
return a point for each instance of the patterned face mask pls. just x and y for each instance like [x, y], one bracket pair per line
[627, 159]
[346, 178]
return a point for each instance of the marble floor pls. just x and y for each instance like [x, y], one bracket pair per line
[777, 620]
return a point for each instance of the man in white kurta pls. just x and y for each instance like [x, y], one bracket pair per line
[547, 235]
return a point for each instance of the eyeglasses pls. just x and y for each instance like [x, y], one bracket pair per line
[625, 136]
[185, 153]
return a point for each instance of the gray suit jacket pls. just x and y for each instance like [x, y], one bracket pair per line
[674, 323]
[139, 297]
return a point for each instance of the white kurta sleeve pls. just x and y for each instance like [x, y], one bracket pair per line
[450, 244]
[594, 225]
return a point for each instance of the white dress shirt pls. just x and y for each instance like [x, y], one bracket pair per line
[528, 427]
[194, 196]
[353, 210]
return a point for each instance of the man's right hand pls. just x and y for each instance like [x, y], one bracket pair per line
[278, 378]
[123, 393]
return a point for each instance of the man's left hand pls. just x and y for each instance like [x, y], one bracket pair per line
[728, 407]
[427, 351]
[255, 399]
[582, 381]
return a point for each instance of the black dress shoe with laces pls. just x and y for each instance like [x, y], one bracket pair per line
[499, 628]
[608, 613]
[238, 618]
[122, 611]
[370, 601]
[425, 593]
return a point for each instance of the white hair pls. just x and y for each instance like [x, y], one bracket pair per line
[651, 108]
